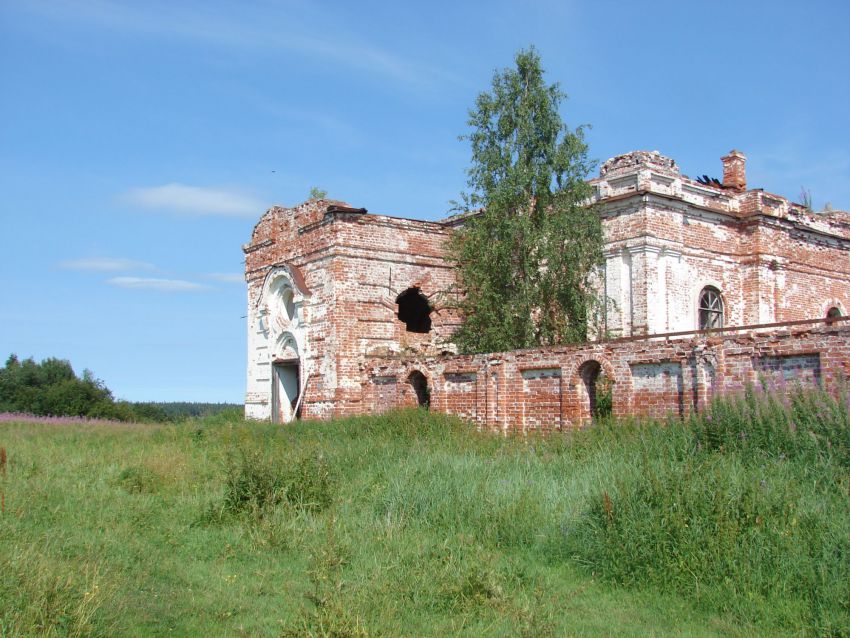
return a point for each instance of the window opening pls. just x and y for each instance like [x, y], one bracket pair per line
[288, 298]
[282, 300]
[420, 387]
[710, 309]
[599, 390]
[414, 310]
[833, 313]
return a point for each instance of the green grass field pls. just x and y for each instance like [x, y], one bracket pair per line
[413, 524]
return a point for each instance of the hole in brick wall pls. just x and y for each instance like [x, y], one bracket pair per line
[598, 388]
[414, 310]
[833, 313]
[420, 387]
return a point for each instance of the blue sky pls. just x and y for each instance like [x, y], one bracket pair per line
[140, 141]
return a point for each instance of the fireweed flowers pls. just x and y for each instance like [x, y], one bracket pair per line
[14, 417]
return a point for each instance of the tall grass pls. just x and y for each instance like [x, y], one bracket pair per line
[751, 515]
[39, 596]
[808, 425]
[415, 524]
[255, 482]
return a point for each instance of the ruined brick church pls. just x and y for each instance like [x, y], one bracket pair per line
[711, 286]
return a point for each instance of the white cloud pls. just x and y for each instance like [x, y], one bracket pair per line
[163, 285]
[195, 200]
[227, 277]
[105, 264]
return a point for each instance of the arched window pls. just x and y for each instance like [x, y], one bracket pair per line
[598, 389]
[710, 309]
[420, 387]
[288, 299]
[281, 297]
[832, 314]
[414, 310]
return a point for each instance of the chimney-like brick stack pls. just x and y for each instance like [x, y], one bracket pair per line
[735, 170]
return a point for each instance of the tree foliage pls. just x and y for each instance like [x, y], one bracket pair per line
[52, 388]
[526, 261]
[318, 193]
[182, 410]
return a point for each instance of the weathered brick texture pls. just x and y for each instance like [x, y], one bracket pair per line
[324, 280]
[543, 389]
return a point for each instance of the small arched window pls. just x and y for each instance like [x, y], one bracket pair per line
[832, 314]
[288, 299]
[420, 386]
[710, 309]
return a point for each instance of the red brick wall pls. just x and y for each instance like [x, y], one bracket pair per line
[666, 237]
[543, 389]
[354, 265]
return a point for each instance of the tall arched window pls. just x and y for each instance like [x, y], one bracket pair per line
[710, 308]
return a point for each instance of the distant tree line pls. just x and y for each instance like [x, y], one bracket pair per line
[179, 410]
[53, 388]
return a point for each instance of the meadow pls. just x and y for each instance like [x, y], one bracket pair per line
[734, 523]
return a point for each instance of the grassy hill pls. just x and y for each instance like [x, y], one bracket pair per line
[413, 524]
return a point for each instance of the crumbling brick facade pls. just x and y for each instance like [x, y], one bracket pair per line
[556, 388]
[339, 300]
[324, 281]
[668, 238]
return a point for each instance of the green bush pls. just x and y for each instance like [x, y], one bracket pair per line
[251, 481]
[255, 480]
[310, 484]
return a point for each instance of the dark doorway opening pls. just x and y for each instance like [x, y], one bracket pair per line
[420, 387]
[414, 310]
[598, 388]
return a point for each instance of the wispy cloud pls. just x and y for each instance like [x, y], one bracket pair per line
[334, 127]
[227, 277]
[162, 285]
[281, 29]
[196, 200]
[105, 264]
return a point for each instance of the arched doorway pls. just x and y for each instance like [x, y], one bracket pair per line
[419, 382]
[598, 391]
[286, 380]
